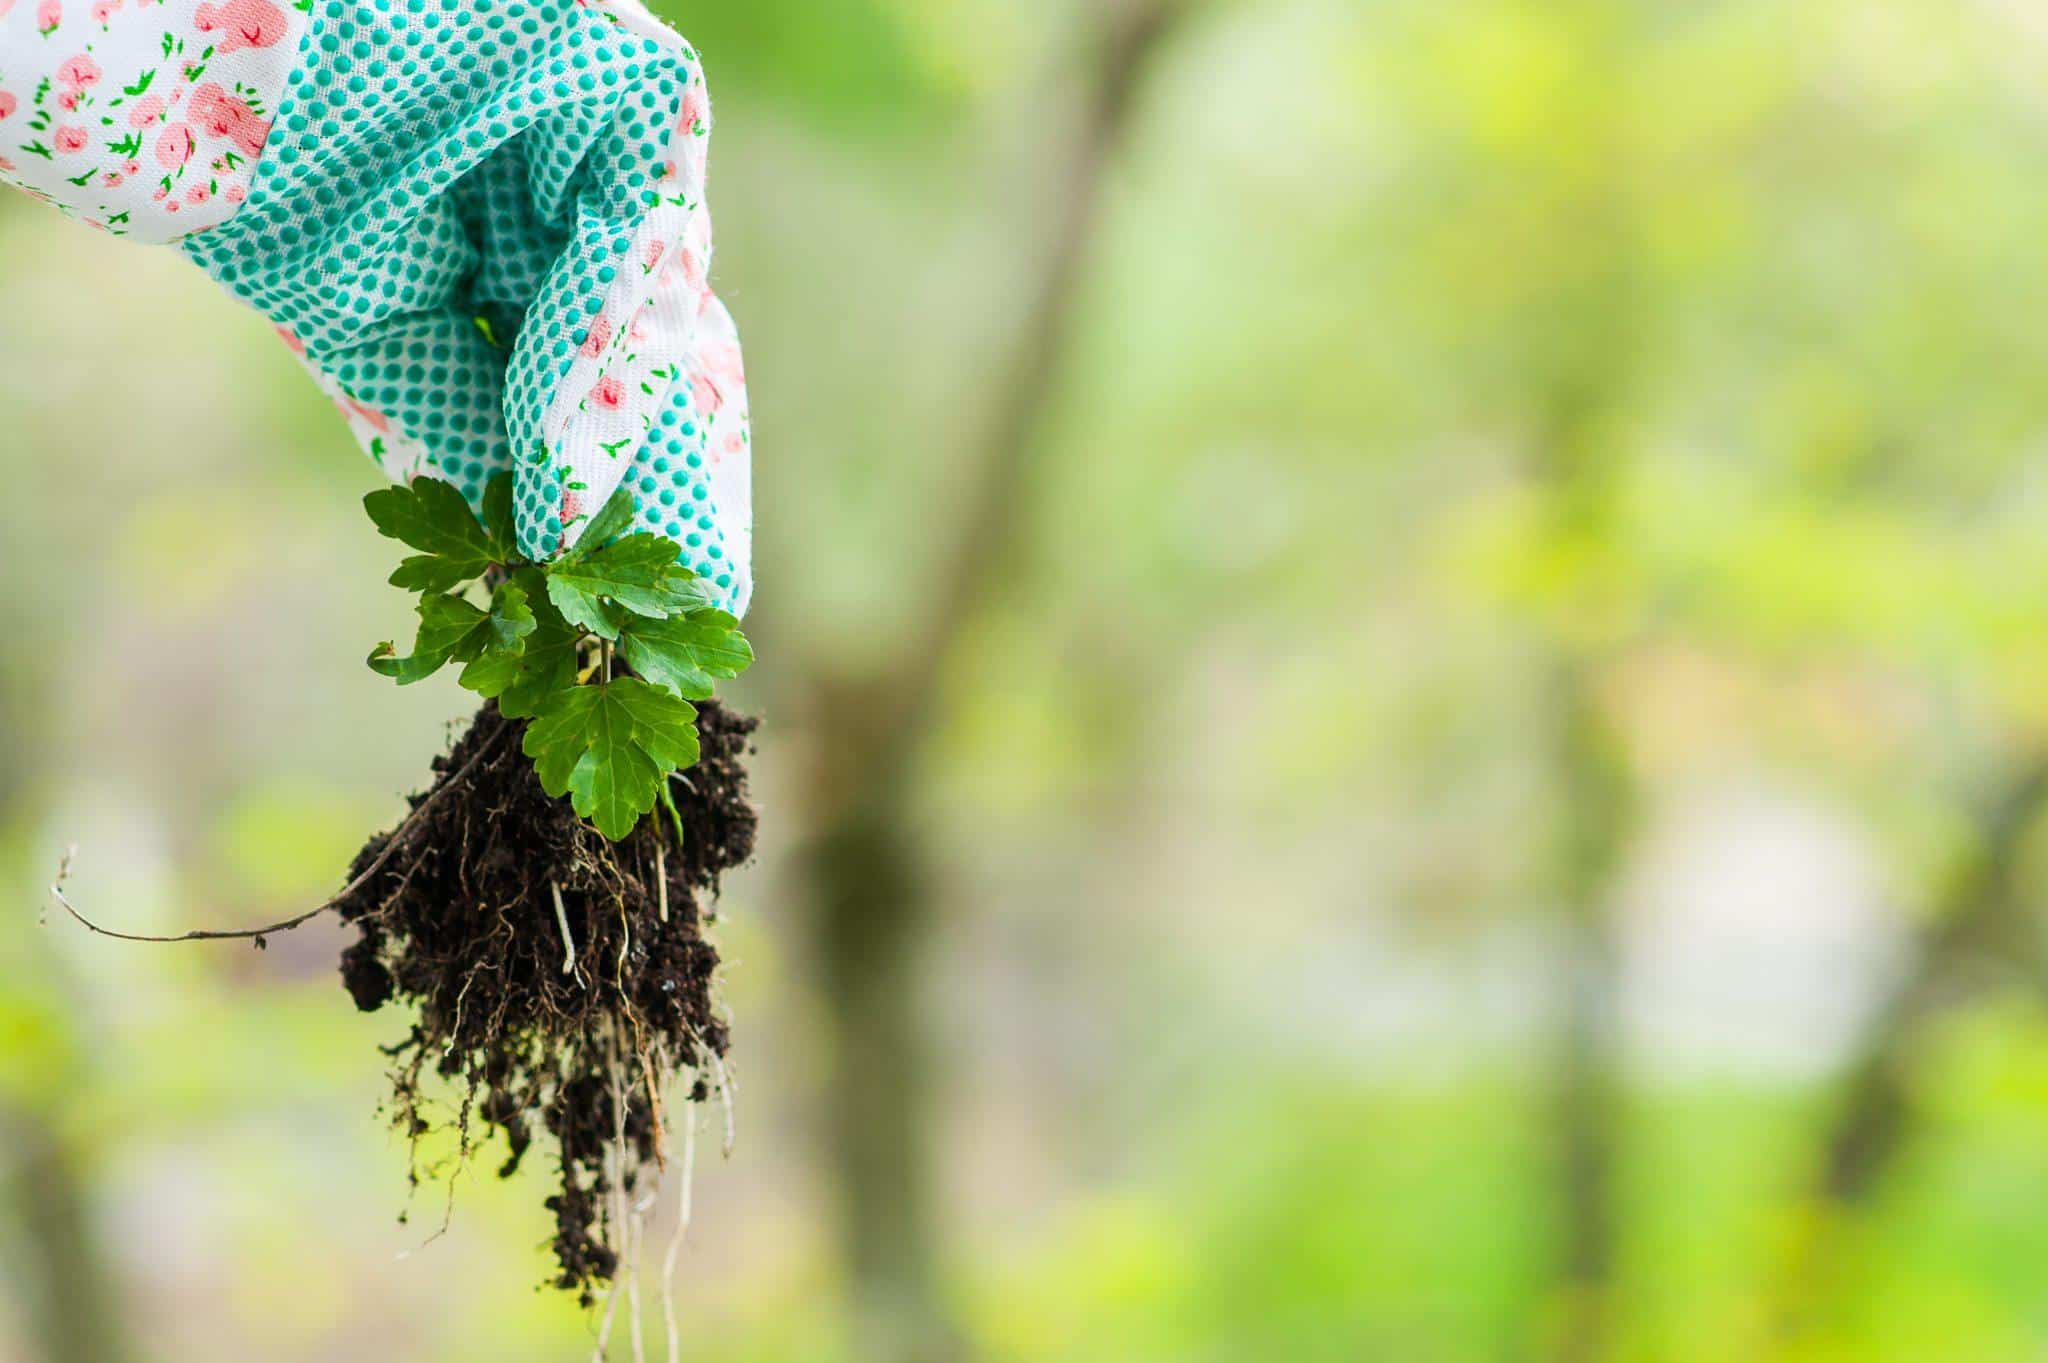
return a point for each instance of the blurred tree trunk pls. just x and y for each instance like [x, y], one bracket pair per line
[1979, 920]
[1595, 815]
[68, 1295]
[874, 921]
[56, 1270]
[1582, 456]
[875, 914]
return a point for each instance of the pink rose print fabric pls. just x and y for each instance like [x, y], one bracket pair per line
[480, 225]
[143, 117]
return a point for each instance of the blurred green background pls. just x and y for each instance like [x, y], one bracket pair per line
[1423, 737]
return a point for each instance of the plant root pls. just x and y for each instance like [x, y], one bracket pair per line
[686, 1177]
[391, 842]
[551, 989]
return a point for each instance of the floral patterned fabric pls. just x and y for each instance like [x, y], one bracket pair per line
[481, 228]
[144, 117]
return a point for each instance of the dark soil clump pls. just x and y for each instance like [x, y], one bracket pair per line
[464, 922]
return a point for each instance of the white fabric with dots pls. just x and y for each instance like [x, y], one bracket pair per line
[481, 227]
[146, 118]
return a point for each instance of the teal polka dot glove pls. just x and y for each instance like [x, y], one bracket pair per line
[481, 227]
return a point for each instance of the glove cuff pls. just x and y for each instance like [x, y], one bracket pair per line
[484, 230]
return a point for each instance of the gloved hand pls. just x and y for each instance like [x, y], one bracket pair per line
[480, 224]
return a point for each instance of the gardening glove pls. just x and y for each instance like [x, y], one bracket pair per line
[480, 226]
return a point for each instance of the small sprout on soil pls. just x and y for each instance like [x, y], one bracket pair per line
[594, 660]
[532, 852]
[544, 643]
[469, 925]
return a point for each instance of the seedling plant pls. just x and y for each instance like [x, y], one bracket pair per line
[542, 907]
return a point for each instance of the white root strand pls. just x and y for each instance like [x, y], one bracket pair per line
[687, 1176]
[660, 878]
[615, 1208]
[633, 1216]
[568, 942]
[625, 945]
[724, 1095]
[611, 1304]
[636, 1228]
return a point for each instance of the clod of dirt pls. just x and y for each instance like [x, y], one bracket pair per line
[573, 1038]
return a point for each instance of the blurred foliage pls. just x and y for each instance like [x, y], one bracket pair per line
[857, 64]
[1702, 340]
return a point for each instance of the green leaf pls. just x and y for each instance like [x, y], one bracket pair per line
[452, 628]
[610, 747]
[675, 816]
[616, 780]
[447, 623]
[687, 653]
[612, 519]
[431, 573]
[558, 738]
[523, 681]
[639, 573]
[511, 619]
[665, 726]
[583, 608]
[432, 516]
[499, 521]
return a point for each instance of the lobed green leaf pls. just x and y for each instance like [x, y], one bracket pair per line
[452, 628]
[687, 653]
[522, 680]
[431, 516]
[499, 520]
[611, 520]
[609, 747]
[638, 574]
[665, 725]
[511, 620]
[559, 736]
[446, 622]
[432, 573]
